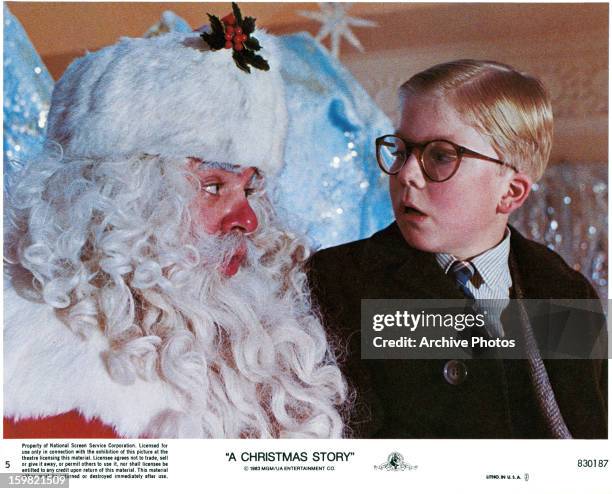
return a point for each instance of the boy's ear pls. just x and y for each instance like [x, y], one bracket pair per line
[517, 192]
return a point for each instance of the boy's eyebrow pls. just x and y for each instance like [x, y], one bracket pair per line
[428, 139]
[398, 133]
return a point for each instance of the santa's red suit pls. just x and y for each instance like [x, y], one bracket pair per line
[56, 383]
[67, 425]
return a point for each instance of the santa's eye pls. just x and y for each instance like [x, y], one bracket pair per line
[212, 188]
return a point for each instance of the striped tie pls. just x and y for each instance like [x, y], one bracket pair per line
[462, 272]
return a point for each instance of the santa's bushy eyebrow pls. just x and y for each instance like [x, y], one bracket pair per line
[219, 165]
[256, 181]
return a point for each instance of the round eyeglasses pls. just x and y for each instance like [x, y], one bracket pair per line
[439, 159]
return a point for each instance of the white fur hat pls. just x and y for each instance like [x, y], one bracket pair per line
[172, 96]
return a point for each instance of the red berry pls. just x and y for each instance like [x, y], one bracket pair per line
[228, 36]
[229, 30]
[238, 46]
[228, 44]
[238, 30]
[241, 38]
[229, 19]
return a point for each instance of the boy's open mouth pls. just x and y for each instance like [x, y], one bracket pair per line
[413, 211]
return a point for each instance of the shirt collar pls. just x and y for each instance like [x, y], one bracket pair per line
[491, 265]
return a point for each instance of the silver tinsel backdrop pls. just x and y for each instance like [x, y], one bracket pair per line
[568, 211]
[331, 189]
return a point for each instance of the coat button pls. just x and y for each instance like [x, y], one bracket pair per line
[455, 371]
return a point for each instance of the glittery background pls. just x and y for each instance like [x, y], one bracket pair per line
[27, 92]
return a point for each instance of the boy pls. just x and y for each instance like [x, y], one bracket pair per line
[472, 139]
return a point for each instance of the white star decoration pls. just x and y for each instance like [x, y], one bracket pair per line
[336, 24]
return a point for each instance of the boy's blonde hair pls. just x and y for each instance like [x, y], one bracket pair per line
[512, 108]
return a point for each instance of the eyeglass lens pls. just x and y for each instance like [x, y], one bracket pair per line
[439, 158]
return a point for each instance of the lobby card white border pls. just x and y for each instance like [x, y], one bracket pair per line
[458, 465]
[453, 465]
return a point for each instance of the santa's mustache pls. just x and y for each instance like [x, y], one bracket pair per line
[216, 251]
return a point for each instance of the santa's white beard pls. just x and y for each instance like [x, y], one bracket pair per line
[109, 247]
[244, 352]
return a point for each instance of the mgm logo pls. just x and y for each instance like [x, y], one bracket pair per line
[395, 463]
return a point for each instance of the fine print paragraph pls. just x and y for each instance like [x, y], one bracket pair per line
[130, 460]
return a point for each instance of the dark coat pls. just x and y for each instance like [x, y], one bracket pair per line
[411, 398]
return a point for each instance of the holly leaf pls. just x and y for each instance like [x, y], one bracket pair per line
[255, 60]
[248, 25]
[215, 24]
[252, 44]
[237, 13]
[240, 61]
[216, 38]
[214, 41]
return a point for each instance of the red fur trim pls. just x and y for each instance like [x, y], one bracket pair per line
[67, 425]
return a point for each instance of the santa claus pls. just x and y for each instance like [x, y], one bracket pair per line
[152, 291]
